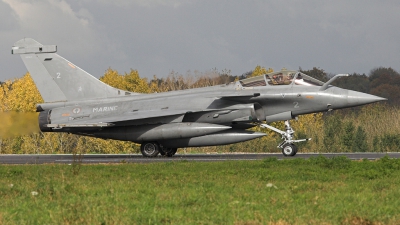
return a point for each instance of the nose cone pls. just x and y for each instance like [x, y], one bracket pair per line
[355, 98]
[343, 98]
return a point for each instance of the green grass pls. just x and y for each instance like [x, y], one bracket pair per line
[314, 191]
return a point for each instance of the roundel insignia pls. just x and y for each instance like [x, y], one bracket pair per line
[76, 110]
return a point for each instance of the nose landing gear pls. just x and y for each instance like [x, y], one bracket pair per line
[287, 146]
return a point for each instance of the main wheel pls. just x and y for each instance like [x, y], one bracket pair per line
[172, 152]
[169, 152]
[162, 151]
[289, 150]
[150, 149]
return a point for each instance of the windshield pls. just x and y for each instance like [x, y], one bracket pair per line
[284, 77]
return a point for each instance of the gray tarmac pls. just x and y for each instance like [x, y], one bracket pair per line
[138, 158]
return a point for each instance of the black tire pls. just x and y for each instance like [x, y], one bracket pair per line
[172, 152]
[162, 151]
[296, 149]
[289, 150]
[150, 149]
[169, 152]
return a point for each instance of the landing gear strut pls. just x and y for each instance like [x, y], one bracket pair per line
[287, 146]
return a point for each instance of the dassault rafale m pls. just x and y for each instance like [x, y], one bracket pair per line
[78, 103]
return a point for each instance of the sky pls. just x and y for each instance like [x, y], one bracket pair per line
[159, 37]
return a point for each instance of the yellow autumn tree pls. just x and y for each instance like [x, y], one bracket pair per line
[112, 78]
[18, 105]
[154, 84]
[20, 95]
[129, 82]
[259, 70]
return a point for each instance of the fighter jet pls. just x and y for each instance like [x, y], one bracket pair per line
[78, 103]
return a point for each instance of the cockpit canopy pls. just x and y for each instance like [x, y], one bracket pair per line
[283, 77]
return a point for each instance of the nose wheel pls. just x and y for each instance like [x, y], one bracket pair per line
[287, 145]
[289, 150]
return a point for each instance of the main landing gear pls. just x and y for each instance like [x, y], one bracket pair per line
[287, 146]
[152, 149]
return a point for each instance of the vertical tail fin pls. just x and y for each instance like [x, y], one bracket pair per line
[56, 78]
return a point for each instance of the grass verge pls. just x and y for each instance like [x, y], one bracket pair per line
[313, 191]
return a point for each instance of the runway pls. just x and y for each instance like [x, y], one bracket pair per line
[138, 158]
